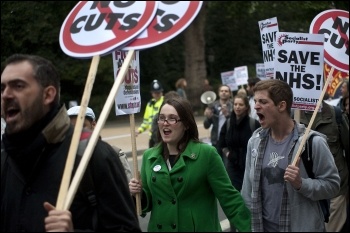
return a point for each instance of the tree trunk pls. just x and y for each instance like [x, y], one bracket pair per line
[195, 66]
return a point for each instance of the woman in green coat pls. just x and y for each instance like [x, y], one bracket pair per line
[182, 178]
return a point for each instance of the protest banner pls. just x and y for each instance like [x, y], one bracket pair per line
[241, 75]
[260, 71]
[333, 89]
[334, 25]
[228, 78]
[100, 27]
[268, 29]
[127, 99]
[299, 62]
[171, 19]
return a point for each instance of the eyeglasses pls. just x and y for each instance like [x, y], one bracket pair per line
[170, 121]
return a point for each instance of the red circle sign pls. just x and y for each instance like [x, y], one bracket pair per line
[334, 24]
[172, 18]
[99, 27]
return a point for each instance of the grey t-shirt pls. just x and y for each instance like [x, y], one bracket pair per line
[274, 165]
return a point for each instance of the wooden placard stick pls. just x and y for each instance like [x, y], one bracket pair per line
[297, 115]
[329, 78]
[96, 132]
[76, 134]
[135, 164]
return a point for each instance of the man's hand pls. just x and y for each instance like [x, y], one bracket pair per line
[292, 175]
[224, 110]
[58, 220]
[208, 112]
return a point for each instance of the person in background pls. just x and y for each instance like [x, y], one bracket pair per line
[326, 122]
[344, 89]
[242, 91]
[155, 128]
[216, 114]
[280, 195]
[234, 137]
[180, 86]
[151, 110]
[345, 141]
[206, 86]
[34, 150]
[90, 123]
[182, 178]
[251, 84]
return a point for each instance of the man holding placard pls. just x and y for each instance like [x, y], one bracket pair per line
[33, 155]
[280, 195]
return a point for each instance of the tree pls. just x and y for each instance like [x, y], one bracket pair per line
[224, 35]
[195, 63]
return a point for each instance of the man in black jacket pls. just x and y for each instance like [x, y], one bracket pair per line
[34, 150]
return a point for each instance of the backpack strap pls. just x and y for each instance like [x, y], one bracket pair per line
[87, 185]
[308, 164]
[307, 157]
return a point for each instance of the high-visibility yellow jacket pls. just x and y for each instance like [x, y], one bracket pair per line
[151, 110]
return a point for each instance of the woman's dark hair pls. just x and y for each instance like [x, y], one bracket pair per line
[245, 100]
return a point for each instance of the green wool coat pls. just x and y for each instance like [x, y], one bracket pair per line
[185, 198]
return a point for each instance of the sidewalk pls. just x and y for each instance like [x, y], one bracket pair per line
[118, 133]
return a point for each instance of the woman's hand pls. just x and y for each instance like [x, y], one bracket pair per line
[135, 186]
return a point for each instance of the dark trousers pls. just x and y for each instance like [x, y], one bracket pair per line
[236, 177]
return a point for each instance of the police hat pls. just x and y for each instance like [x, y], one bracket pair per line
[156, 86]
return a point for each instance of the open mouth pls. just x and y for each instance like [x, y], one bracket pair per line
[166, 132]
[261, 117]
[11, 113]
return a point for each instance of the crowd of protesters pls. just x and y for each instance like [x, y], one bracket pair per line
[247, 167]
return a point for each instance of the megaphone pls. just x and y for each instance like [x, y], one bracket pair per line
[208, 97]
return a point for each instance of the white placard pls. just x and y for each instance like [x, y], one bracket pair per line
[268, 29]
[128, 99]
[299, 62]
[228, 78]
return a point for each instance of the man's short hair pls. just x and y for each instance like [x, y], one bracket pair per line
[44, 72]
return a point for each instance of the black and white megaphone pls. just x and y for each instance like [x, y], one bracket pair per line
[208, 97]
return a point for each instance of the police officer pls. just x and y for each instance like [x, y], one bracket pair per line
[151, 110]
